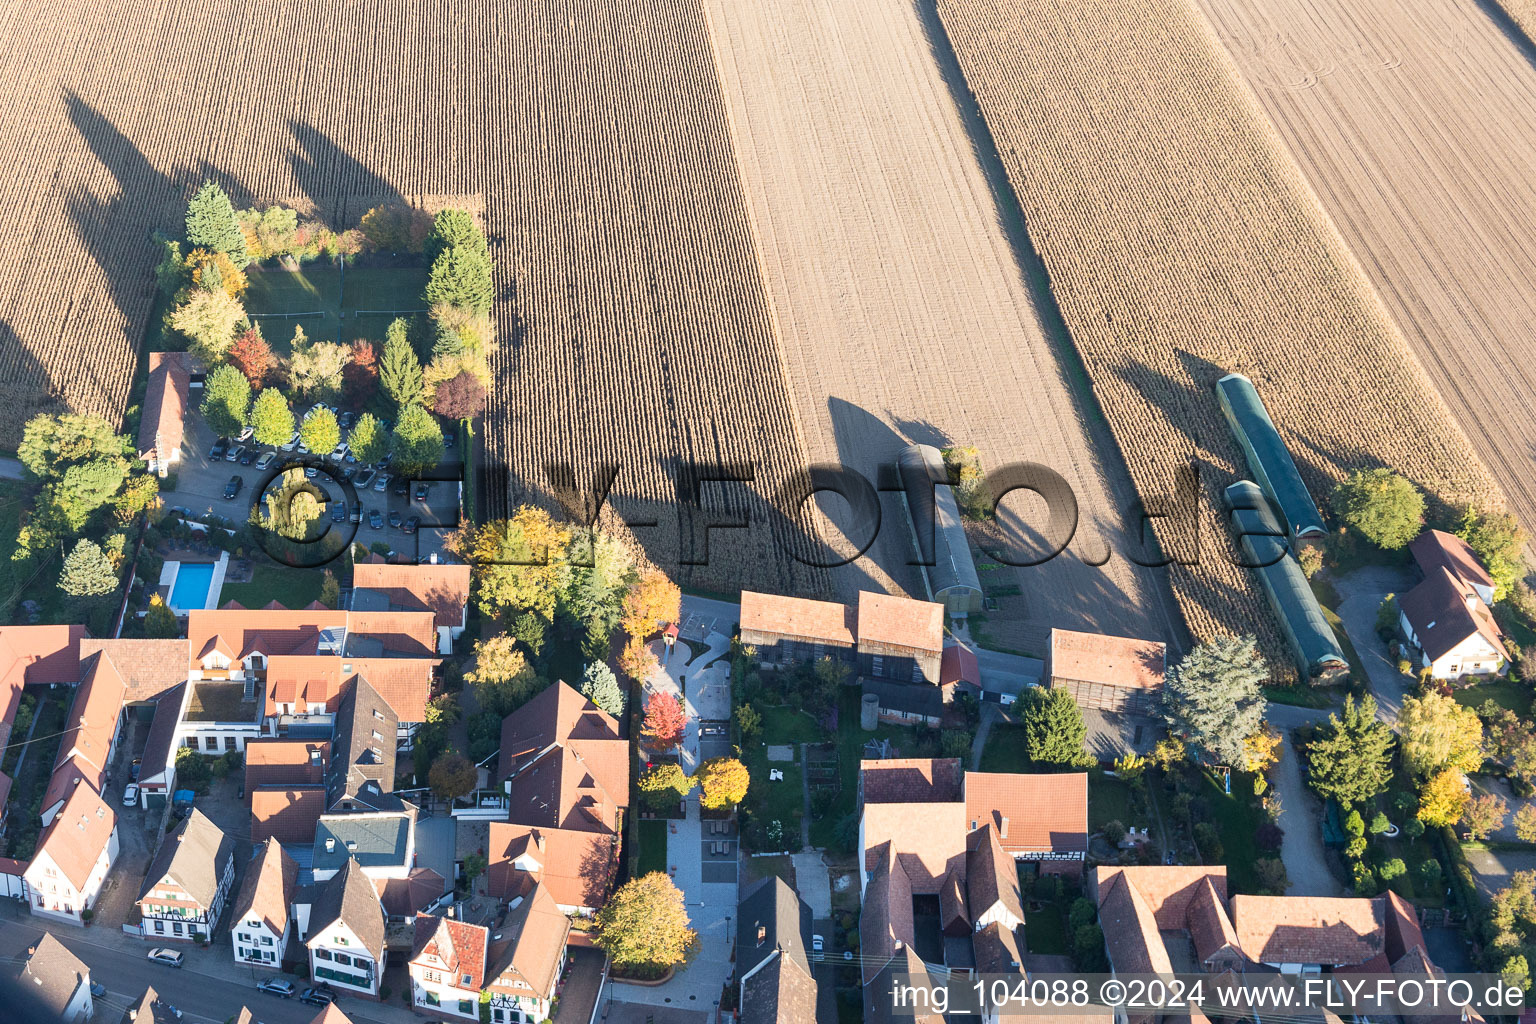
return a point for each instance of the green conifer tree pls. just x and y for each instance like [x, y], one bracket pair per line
[212, 225]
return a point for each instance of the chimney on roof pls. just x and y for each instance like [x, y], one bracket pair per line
[538, 840]
[762, 934]
[330, 845]
[1002, 828]
[1472, 602]
[351, 845]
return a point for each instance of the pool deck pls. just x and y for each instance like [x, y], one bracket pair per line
[170, 570]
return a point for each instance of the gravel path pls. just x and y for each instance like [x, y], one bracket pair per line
[1302, 851]
[1362, 592]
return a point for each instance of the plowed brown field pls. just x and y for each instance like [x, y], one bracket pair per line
[904, 314]
[1416, 125]
[1183, 243]
[633, 321]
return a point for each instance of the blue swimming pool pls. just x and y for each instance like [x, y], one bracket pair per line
[190, 591]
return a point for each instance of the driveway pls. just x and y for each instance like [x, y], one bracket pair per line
[1300, 810]
[1361, 593]
[706, 690]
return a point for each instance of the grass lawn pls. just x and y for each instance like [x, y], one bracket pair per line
[1504, 692]
[1005, 750]
[292, 588]
[1109, 800]
[775, 800]
[1045, 927]
[850, 751]
[1237, 818]
[786, 725]
[653, 846]
[1305, 696]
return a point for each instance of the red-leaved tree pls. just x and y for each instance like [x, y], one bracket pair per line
[665, 722]
[360, 377]
[252, 356]
[459, 397]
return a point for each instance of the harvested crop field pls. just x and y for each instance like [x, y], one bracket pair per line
[899, 296]
[632, 318]
[1416, 126]
[1182, 243]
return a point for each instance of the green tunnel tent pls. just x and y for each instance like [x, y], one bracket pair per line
[1268, 458]
[1266, 552]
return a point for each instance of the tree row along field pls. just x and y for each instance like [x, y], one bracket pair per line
[903, 310]
[631, 315]
[1182, 244]
[1416, 126]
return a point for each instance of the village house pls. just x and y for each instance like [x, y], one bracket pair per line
[786, 630]
[447, 968]
[1447, 617]
[49, 983]
[157, 769]
[1107, 673]
[85, 752]
[161, 428]
[188, 882]
[438, 587]
[346, 933]
[262, 926]
[73, 857]
[527, 959]
[773, 969]
[566, 789]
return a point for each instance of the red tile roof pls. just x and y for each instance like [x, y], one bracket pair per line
[165, 402]
[959, 665]
[1444, 612]
[442, 589]
[278, 762]
[1043, 812]
[799, 618]
[577, 867]
[901, 622]
[929, 839]
[1112, 660]
[1315, 930]
[911, 780]
[1434, 549]
[148, 667]
[404, 897]
[286, 813]
[93, 716]
[457, 949]
[535, 934]
[406, 683]
[78, 835]
[588, 767]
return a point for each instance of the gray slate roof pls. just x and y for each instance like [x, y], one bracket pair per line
[379, 840]
[41, 989]
[193, 857]
[781, 993]
[357, 755]
[784, 918]
[350, 897]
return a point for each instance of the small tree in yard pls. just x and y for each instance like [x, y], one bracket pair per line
[1525, 823]
[208, 320]
[226, 400]
[1483, 816]
[1054, 731]
[160, 622]
[637, 661]
[1382, 506]
[1213, 697]
[252, 356]
[330, 590]
[1351, 757]
[723, 783]
[665, 722]
[645, 924]
[360, 377]
[653, 599]
[452, 776]
[87, 572]
[320, 432]
[271, 419]
[664, 785]
[460, 397]
[601, 687]
[502, 678]
[1439, 733]
[369, 441]
[474, 867]
[1443, 798]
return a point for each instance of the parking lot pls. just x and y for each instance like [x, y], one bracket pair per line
[378, 515]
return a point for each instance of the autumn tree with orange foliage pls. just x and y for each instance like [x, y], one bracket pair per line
[637, 661]
[360, 377]
[252, 356]
[652, 600]
[665, 723]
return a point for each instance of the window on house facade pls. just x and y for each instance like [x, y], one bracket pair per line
[466, 1007]
[322, 954]
[176, 927]
[229, 743]
[211, 743]
[266, 940]
[343, 959]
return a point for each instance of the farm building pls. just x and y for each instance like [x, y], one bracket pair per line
[1268, 458]
[790, 629]
[165, 407]
[907, 703]
[899, 638]
[948, 570]
[1262, 540]
[1110, 673]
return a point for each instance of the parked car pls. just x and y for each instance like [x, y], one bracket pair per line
[311, 470]
[339, 452]
[402, 487]
[219, 450]
[375, 520]
[247, 456]
[365, 479]
[131, 794]
[291, 443]
[355, 513]
[234, 453]
[450, 439]
[338, 511]
[346, 420]
[277, 986]
[245, 434]
[161, 955]
[394, 518]
[422, 490]
[410, 525]
[317, 996]
[267, 458]
[818, 943]
[232, 489]
[382, 483]
[98, 990]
